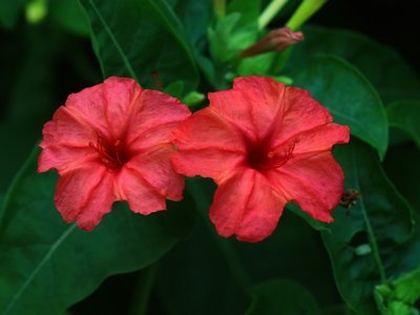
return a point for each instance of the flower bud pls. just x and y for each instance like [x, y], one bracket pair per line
[275, 40]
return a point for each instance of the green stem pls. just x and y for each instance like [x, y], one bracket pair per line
[306, 9]
[142, 292]
[270, 12]
[219, 8]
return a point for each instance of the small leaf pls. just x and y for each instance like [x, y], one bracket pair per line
[228, 38]
[398, 296]
[381, 220]
[405, 115]
[349, 96]
[193, 98]
[47, 265]
[176, 89]
[256, 65]
[278, 296]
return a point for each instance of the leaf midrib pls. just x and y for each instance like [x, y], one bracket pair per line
[115, 41]
[371, 234]
[121, 51]
[41, 264]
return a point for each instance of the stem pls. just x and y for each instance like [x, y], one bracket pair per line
[270, 12]
[143, 290]
[306, 9]
[219, 8]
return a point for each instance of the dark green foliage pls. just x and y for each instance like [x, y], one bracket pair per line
[365, 263]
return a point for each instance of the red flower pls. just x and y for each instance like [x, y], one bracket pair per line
[111, 142]
[264, 144]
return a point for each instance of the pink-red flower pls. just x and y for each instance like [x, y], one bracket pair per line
[264, 144]
[112, 142]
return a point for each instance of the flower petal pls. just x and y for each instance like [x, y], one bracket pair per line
[67, 129]
[208, 146]
[106, 106]
[121, 98]
[300, 112]
[320, 138]
[235, 109]
[213, 163]
[100, 203]
[154, 136]
[155, 167]
[207, 130]
[84, 195]
[141, 196]
[315, 182]
[156, 109]
[245, 205]
[265, 97]
[63, 158]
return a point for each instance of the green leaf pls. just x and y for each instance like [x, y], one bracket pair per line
[382, 66]
[368, 241]
[317, 225]
[256, 65]
[193, 98]
[204, 258]
[139, 37]
[279, 255]
[398, 296]
[176, 89]
[196, 17]
[349, 96]
[405, 115]
[277, 296]
[228, 38]
[47, 265]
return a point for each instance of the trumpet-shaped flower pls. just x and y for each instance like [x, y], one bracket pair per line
[264, 144]
[112, 142]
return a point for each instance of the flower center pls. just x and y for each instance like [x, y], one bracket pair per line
[112, 154]
[261, 157]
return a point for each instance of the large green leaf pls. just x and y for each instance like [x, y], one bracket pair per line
[278, 296]
[405, 115]
[138, 38]
[205, 258]
[368, 242]
[349, 96]
[47, 265]
[229, 268]
[196, 17]
[388, 72]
